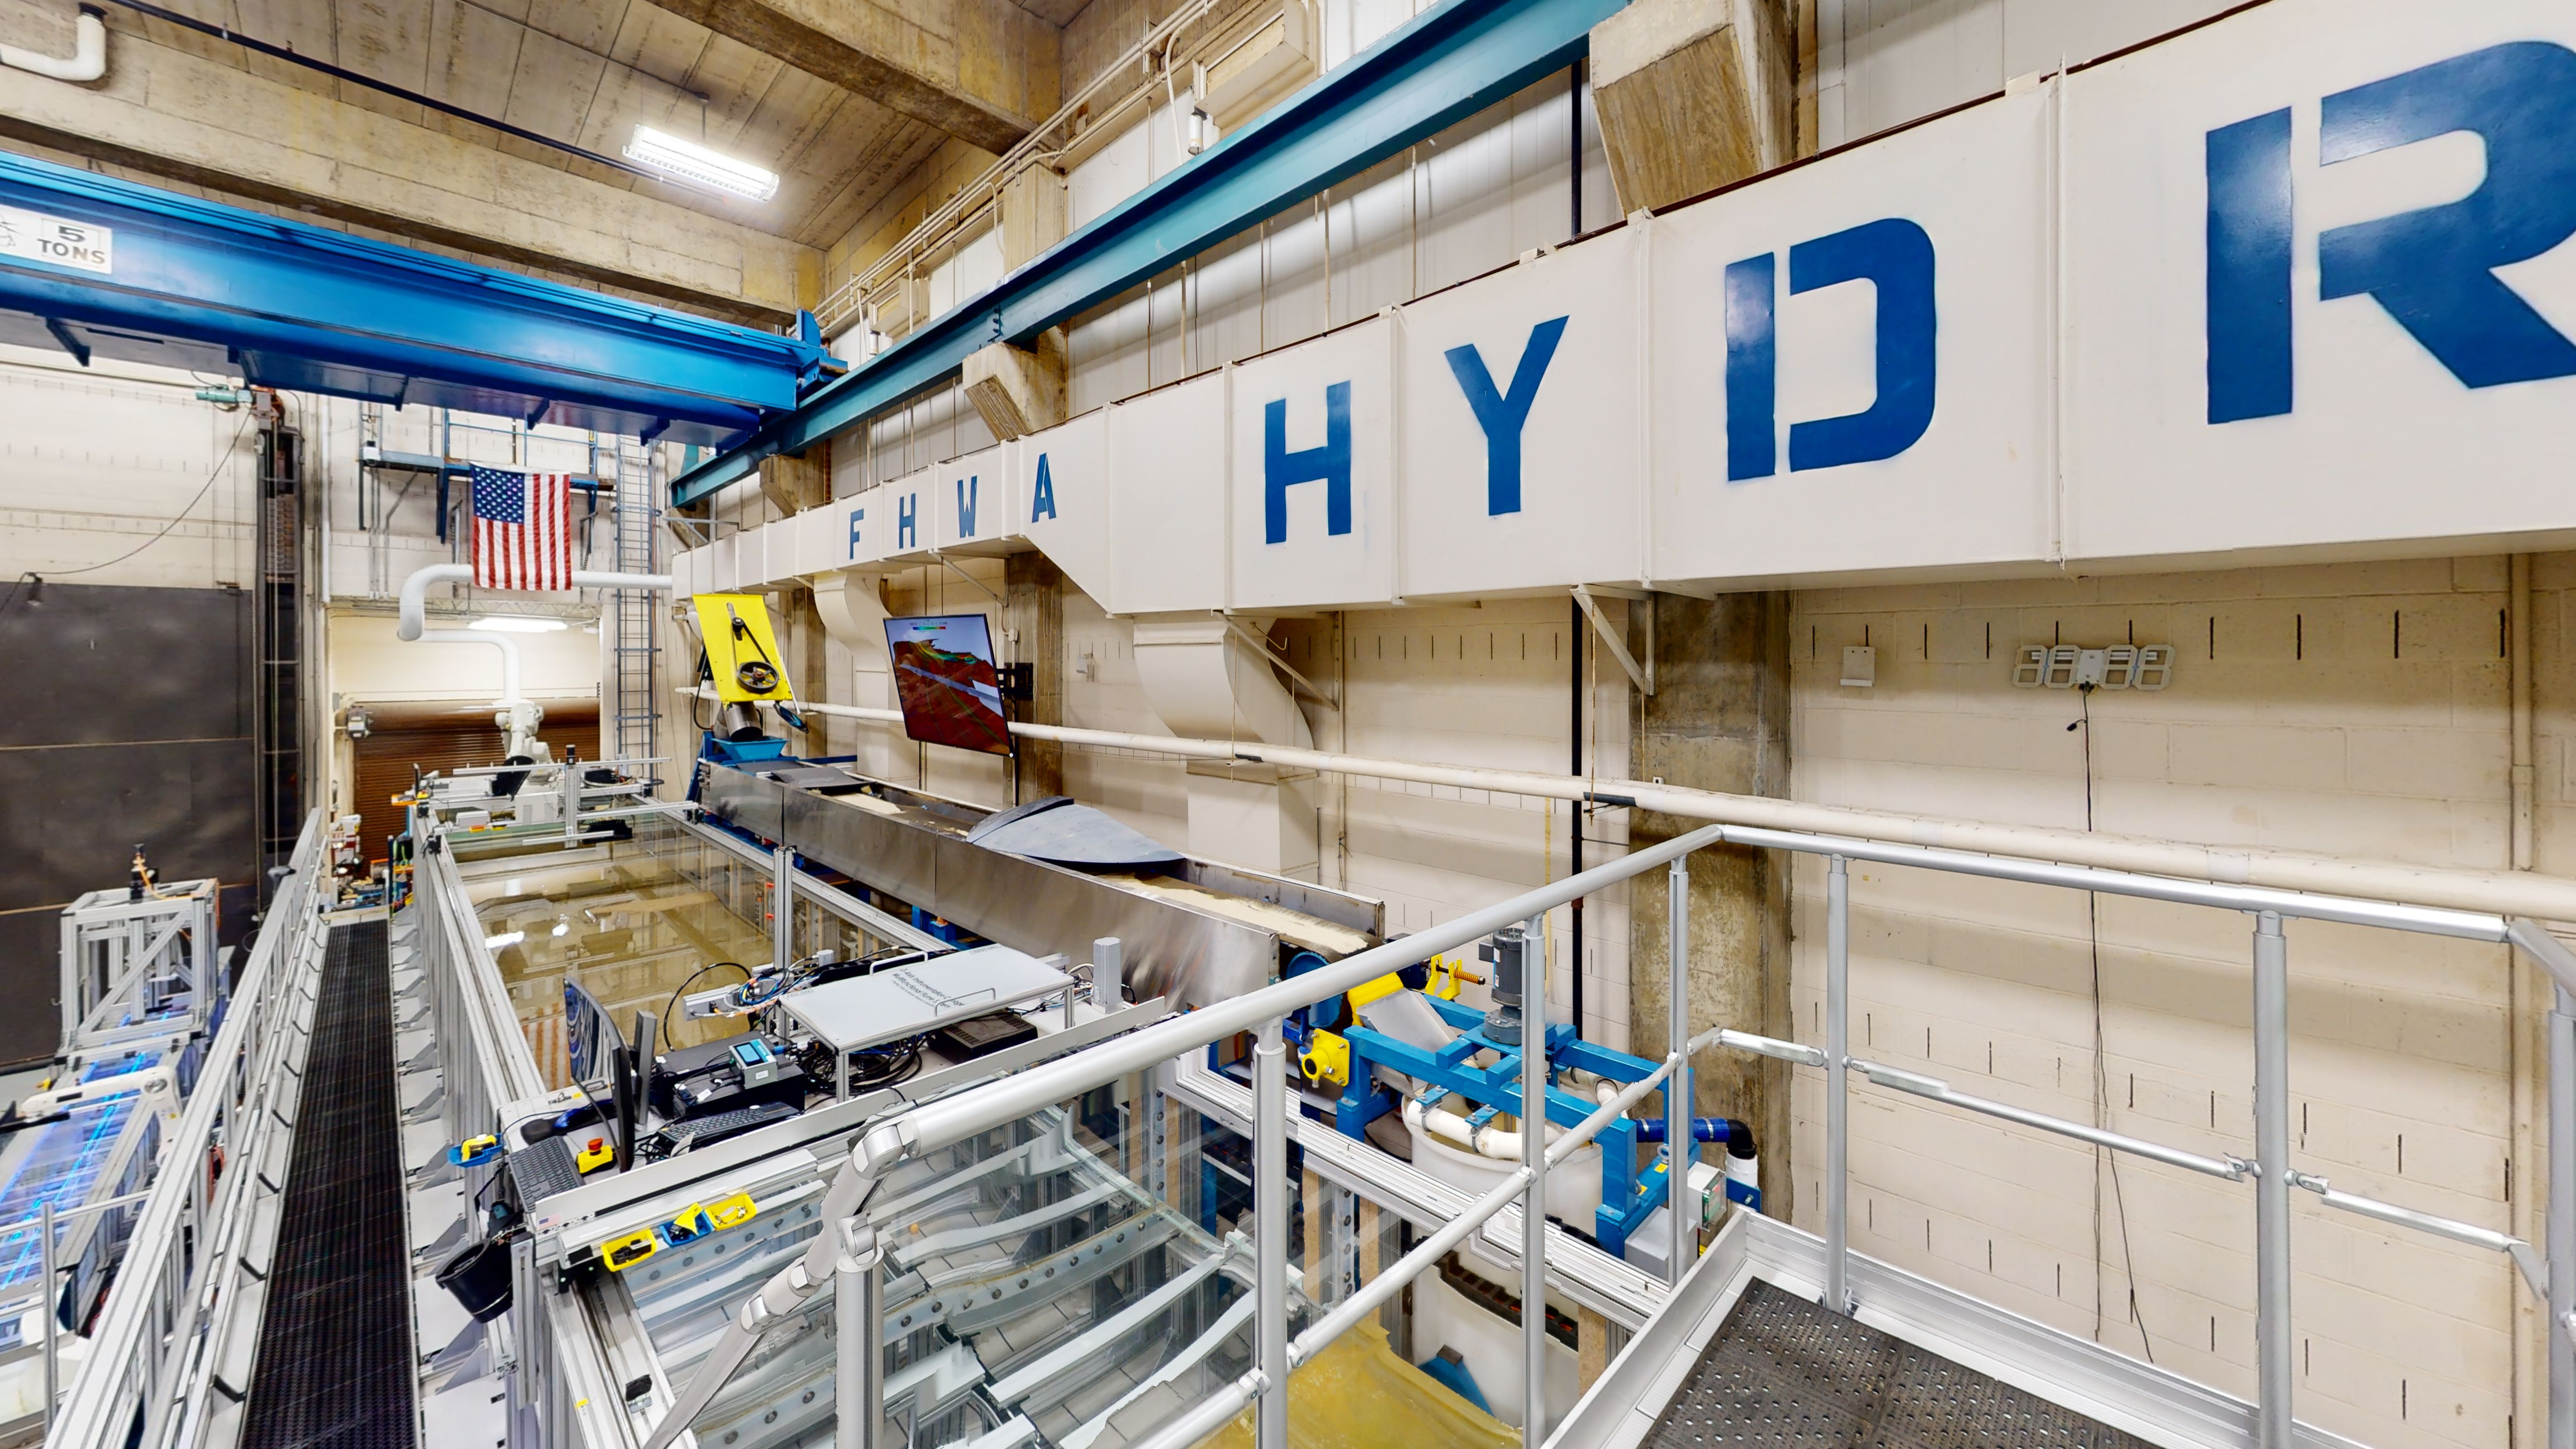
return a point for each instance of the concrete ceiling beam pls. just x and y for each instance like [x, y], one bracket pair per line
[984, 71]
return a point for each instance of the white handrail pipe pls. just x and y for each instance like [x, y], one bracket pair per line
[2500, 892]
[87, 62]
[415, 590]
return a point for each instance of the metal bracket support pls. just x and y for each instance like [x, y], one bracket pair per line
[970, 578]
[1261, 646]
[1589, 595]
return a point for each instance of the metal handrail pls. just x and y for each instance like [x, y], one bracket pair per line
[156, 1312]
[954, 1119]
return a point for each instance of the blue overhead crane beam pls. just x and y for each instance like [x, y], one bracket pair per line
[189, 283]
[1448, 63]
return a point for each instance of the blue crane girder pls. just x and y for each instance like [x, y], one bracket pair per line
[1446, 64]
[197, 284]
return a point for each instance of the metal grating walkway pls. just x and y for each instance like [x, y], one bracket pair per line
[335, 1364]
[1785, 1374]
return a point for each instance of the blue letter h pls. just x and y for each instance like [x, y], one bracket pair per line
[1329, 465]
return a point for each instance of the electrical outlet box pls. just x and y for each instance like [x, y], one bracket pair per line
[1860, 666]
[2147, 667]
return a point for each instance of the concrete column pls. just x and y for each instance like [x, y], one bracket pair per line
[1315, 1202]
[1726, 64]
[1033, 591]
[808, 640]
[1719, 720]
[1592, 1347]
[1018, 390]
[1033, 215]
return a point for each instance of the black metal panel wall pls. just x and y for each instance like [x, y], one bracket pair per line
[127, 719]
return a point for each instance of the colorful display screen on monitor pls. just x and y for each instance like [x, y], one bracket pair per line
[945, 679]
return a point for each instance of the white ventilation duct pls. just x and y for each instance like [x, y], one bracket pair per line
[852, 604]
[415, 590]
[1205, 682]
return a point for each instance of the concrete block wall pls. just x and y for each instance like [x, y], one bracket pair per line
[101, 459]
[2356, 709]
[1481, 686]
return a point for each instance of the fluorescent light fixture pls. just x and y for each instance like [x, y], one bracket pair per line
[694, 164]
[560, 928]
[516, 624]
[506, 938]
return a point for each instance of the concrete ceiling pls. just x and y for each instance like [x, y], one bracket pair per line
[586, 72]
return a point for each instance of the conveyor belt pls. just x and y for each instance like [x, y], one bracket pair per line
[1785, 1374]
[335, 1367]
[63, 1164]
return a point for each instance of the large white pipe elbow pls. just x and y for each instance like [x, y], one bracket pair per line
[88, 59]
[415, 590]
[510, 692]
[415, 594]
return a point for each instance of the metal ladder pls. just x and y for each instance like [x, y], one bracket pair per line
[634, 642]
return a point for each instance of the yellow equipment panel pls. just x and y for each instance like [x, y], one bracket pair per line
[742, 649]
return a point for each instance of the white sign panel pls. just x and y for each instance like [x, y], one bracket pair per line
[974, 498]
[1314, 473]
[1850, 360]
[1064, 499]
[2320, 301]
[864, 526]
[911, 505]
[1522, 431]
[2329, 297]
[32, 236]
[1167, 510]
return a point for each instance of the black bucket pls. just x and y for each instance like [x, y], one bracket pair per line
[479, 1277]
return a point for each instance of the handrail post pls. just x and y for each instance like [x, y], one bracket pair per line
[1534, 1196]
[53, 1389]
[2559, 1228]
[859, 1362]
[1270, 1232]
[1838, 1085]
[782, 906]
[1677, 1092]
[2273, 1358]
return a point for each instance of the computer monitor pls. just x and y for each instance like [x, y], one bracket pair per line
[947, 683]
[606, 1068]
[591, 1042]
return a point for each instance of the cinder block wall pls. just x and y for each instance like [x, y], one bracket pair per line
[1472, 686]
[2357, 709]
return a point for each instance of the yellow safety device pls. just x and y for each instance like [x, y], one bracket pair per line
[622, 1253]
[1326, 1059]
[742, 648]
[732, 1212]
[1368, 991]
[593, 1155]
[689, 1225]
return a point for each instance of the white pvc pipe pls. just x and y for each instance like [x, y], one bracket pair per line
[510, 693]
[415, 590]
[88, 58]
[2509, 893]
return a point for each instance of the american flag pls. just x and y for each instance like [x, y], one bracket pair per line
[522, 530]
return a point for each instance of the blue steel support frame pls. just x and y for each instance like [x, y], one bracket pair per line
[1448, 63]
[1627, 1194]
[198, 284]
